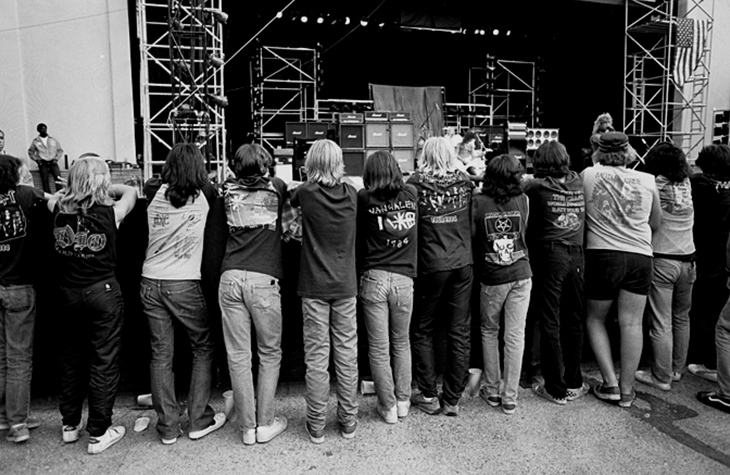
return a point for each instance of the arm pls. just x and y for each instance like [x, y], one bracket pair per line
[59, 151]
[33, 152]
[655, 216]
[126, 199]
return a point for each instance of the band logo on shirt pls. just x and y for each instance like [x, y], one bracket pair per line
[611, 190]
[251, 208]
[13, 223]
[72, 242]
[503, 229]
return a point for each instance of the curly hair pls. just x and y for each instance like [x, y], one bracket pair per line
[9, 177]
[714, 160]
[668, 160]
[503, 178]
[603, 124]
[551, 159]
[617, 158]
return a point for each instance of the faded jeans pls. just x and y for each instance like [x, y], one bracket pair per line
[337, 318]
[17, 323]
[722, 343]
[387, 303]
[182, 300]
[670, 300]
[250, 297]
[514, 297]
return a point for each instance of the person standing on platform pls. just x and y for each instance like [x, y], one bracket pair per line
[444, 276]
[249, 292]
[46, 151]
[555, 241]
[328, 287]
[170, 291]
[85, 222]
[388, 245]
[17, 301]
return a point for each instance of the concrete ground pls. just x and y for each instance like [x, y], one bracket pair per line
[664, 433]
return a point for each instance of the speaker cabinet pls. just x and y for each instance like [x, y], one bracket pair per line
[401, 135]
[376, 135]
[352, 136]
[537, 137]
[354, 162]
[317, 130]
[406, 159]
[295, 130]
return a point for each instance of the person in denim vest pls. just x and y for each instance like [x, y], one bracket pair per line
[170, 291]
[85, 222]
[249, 290]
[328, 287]
[670, 296]
[387, 249]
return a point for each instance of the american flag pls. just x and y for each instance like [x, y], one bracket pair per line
[691, 37]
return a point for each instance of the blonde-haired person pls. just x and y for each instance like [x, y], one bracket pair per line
[444, 275]
[328, 287]
[602, 124]
[85, 222]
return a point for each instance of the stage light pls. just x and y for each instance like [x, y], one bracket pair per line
[364, 22]
[381, 24]
[220, 16]
[476, 32]
[509, 32]
[320, 20]
[347, 20]
[304, 18]
[495, 32]
[279, 15]
[220, 101]
[215, 61]
[482, 32]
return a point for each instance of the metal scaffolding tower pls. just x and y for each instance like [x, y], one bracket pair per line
[284, 86]
[508, 87]
[656, 109]
[182, 91]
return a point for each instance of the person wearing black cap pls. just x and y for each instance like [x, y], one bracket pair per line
[46, 151]
[622, 210]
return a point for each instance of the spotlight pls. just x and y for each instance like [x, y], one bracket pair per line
[482, 32]
[476, 32]
[320, 20]
[215, 61]
[509, 32]
[347, 20]
[279, 15]
[364, 22]
[304, 18]
[220, 101]
[495, 32]
[219, 15]
[381, 24]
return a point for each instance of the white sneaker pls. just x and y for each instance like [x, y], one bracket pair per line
[702, 371]
[144, 400]
[218, 420]
[70, 433]
[112, 435]
[266, 433]
[249, 437]
[390, 416]
[403, 407]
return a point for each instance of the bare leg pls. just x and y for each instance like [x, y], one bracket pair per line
[597, 310]
[630, 313]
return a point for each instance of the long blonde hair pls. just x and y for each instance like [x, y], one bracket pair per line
[438, 156]
[88, 184]
[324, 163]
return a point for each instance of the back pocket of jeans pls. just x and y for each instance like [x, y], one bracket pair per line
[371, 290]
[266, 296]
[20, 299]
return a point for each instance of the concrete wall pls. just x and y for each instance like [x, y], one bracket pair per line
[719, 89]
[67, 64]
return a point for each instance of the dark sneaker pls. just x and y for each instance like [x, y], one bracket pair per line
[647, 378]
[18, 433]
[429, 405]
[573, 394]
[540, 390]
[607, 393]
[316, 436]
[627, 399]
[348, 431]
[713, 399]
[111, 436]
[508, 408]
[451, 411]
[492, 399]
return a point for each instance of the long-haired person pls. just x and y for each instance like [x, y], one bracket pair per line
[602, 124]
[670, 296]
[328, 287]
[170, 291]
[249, 290]
[500, 214]
[711, 198]
[555, 240]
[444, 276]
[85, 222]
[622, 209]
[17, 299]
[387, 233]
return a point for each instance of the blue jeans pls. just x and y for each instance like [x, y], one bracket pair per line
[245, 298]
[17, 322]
[670, 299]
[182, 300]
[387, 303]
[557, 302]
[92, 342]
[514, 298]
[337, 318]
[722, 344]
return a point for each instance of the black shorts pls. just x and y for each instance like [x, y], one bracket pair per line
[607, 272]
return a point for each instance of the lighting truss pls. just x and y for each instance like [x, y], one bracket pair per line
[508, 87]
[655, 108]
[181, 80]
